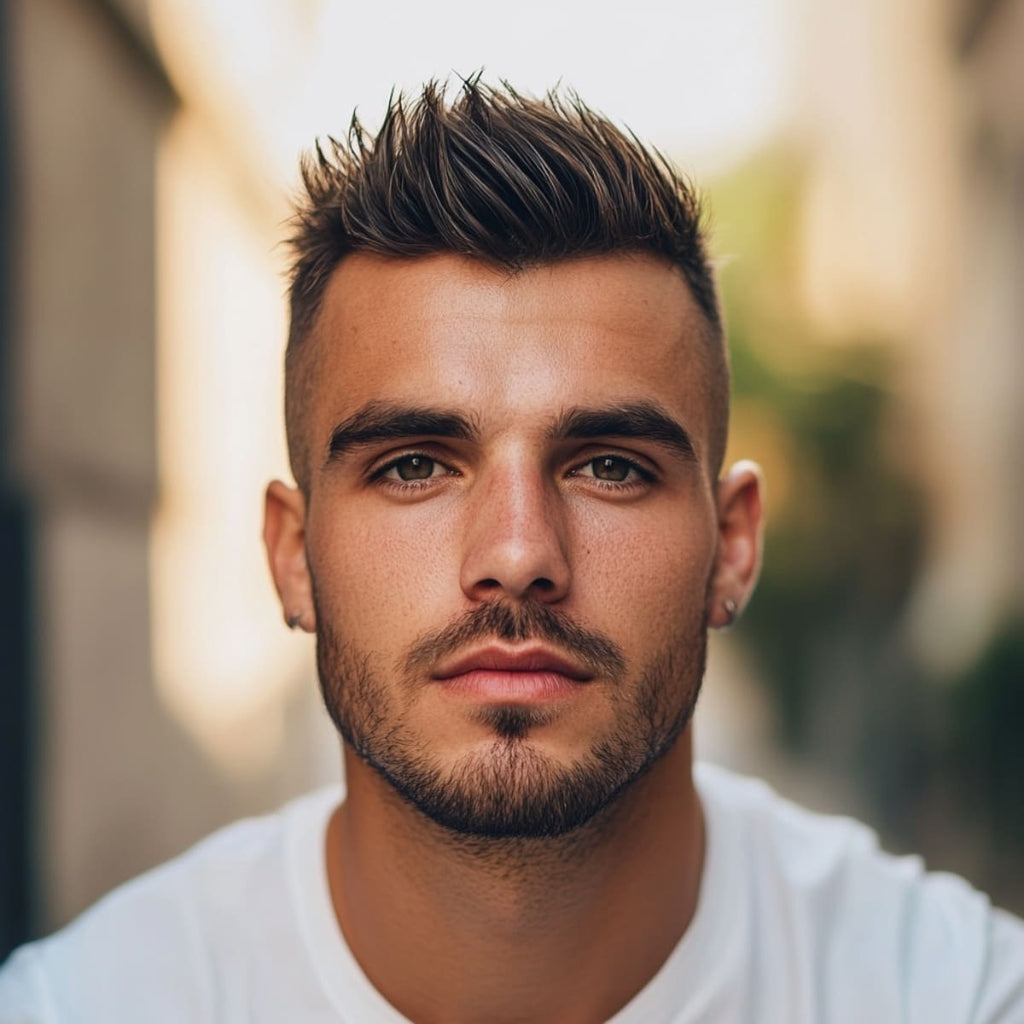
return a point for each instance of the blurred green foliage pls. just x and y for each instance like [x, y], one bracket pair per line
[985, 750]
[845, 542]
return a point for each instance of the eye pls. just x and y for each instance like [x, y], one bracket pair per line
[610, 468]
[409, 468]
[411, 471]
[614, 469]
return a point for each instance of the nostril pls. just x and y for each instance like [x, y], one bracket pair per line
[541, 584]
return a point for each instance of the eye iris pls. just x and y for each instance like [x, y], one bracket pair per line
[415, 467]
[610, 469]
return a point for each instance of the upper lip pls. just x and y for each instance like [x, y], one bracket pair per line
[494, 658]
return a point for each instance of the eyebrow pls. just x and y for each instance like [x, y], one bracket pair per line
[640, 420]
[382, 421]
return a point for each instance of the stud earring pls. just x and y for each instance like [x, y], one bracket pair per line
[294, 619]
[731, 611]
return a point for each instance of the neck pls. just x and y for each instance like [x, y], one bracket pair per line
[459, 929]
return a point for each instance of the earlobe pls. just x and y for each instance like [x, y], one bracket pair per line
[284, 537]
[739, 499]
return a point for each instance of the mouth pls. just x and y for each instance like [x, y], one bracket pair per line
[519, 674]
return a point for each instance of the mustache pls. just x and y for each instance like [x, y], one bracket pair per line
[531, 621]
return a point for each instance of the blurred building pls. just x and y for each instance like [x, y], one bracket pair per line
[915, 228]
[150, 691]
[134, 359]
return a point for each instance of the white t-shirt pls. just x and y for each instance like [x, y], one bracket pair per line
[800, 920]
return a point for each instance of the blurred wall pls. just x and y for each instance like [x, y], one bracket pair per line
[16, 667]
[118, 783]
[914, 229]
[88, 109]
[971, 367]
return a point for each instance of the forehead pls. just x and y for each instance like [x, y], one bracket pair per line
[452, 331]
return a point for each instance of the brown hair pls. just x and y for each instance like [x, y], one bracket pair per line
[498, 177]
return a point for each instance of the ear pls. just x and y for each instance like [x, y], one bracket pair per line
[739, 499]
[284, 536]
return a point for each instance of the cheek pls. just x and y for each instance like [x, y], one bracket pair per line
[378, 573]
[650, 572]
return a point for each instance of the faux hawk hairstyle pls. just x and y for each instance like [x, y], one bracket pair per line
[498, 177]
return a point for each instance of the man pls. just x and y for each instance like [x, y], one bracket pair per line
[506, 405]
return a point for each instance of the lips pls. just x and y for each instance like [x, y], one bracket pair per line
[525, 660]
[521, 675]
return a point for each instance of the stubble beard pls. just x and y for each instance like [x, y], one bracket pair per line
[512, 789]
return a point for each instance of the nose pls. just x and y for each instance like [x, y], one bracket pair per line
[515, 540]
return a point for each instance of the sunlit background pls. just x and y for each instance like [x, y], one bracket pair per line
[865, 167]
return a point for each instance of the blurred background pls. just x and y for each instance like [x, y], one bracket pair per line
[865, 166]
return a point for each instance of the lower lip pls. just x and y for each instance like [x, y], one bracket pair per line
[486, 684]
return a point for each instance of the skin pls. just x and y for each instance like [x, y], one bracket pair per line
[563, 929]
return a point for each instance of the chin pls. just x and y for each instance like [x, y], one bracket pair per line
[513, 789]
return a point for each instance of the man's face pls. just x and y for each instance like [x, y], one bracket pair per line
[510, 530]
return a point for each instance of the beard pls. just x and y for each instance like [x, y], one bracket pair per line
[512, 789]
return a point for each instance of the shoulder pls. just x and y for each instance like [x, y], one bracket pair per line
[157, 941]
[856, 916]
